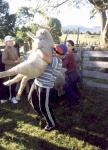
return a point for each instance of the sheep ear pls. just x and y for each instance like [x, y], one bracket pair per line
[31, 35]
[43, 32]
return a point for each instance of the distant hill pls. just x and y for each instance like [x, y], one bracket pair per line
[82, 28]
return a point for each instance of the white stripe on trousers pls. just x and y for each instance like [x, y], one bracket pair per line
[47, 104]
[47, 107]
[10, 91]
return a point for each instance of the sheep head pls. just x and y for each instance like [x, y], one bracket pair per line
[42, 39]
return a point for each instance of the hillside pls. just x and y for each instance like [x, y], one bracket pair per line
[82, 28]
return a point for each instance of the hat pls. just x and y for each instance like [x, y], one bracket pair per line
[8, 38]
[20, 41]
[61, 48]
[64, 48]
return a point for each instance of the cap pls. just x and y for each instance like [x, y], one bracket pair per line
[20, 41]
[8, 38]
[61, 48]
[64, 48]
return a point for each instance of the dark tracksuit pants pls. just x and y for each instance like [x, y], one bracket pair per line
[12, 89]
[39, 99]
[4, 90]
[71, 86]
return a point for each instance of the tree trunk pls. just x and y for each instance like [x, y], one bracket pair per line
[104, 30]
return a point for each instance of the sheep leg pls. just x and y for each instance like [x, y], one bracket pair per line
[62, 92]
[19, 69]
[58, 89]
[31, 35]
[14, 80]
[22, 86]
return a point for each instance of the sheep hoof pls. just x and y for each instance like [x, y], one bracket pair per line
[7, 83]
[59, 94]
[17, 97]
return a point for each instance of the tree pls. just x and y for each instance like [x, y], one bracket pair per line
[100, 7]
[88, 32]
[24, 15]
[55, 29]
[21, 33]
[7, 21]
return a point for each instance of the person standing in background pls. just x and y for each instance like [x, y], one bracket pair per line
[18, 44]
[73, 75]
[10, 59]
[4, 92]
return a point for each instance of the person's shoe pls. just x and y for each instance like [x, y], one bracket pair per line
[14, 101]
[3, 101]
[49, 128]
[39, 117]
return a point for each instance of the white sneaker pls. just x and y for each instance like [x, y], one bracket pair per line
[3, 101]
[14, 101]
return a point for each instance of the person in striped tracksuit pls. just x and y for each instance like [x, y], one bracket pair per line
[40, 89]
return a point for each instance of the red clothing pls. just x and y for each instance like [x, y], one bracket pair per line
[70, 63]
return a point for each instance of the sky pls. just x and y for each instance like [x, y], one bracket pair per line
[67, 15]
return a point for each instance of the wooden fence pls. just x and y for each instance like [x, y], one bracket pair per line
[90, 69]
[1, 48]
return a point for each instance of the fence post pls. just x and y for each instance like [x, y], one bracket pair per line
[26, 48]
[80, 58]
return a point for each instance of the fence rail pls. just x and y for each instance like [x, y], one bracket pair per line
[2, 47]
[85, 63]
[95, 85]
[94, 74]
[87, 66]
[95, 54]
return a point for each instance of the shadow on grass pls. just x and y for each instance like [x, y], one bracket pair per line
[87, 122]
[26, 141]
[23, 140]
[88, 137]
[33, 143]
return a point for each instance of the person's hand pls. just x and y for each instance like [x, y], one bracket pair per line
[44, 56]
[17, 61]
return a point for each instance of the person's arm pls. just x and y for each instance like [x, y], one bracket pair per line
[66, 61]
[44, 56]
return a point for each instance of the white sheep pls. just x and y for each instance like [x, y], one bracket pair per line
[60, 81]
[34, 66]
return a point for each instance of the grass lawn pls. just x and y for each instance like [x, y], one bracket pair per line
[89, 39]
[83, 127]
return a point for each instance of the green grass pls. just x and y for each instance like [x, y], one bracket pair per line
[83, 127]
[89, 39]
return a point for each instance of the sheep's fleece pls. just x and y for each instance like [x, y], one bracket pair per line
[60, 81]
[34, 66]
